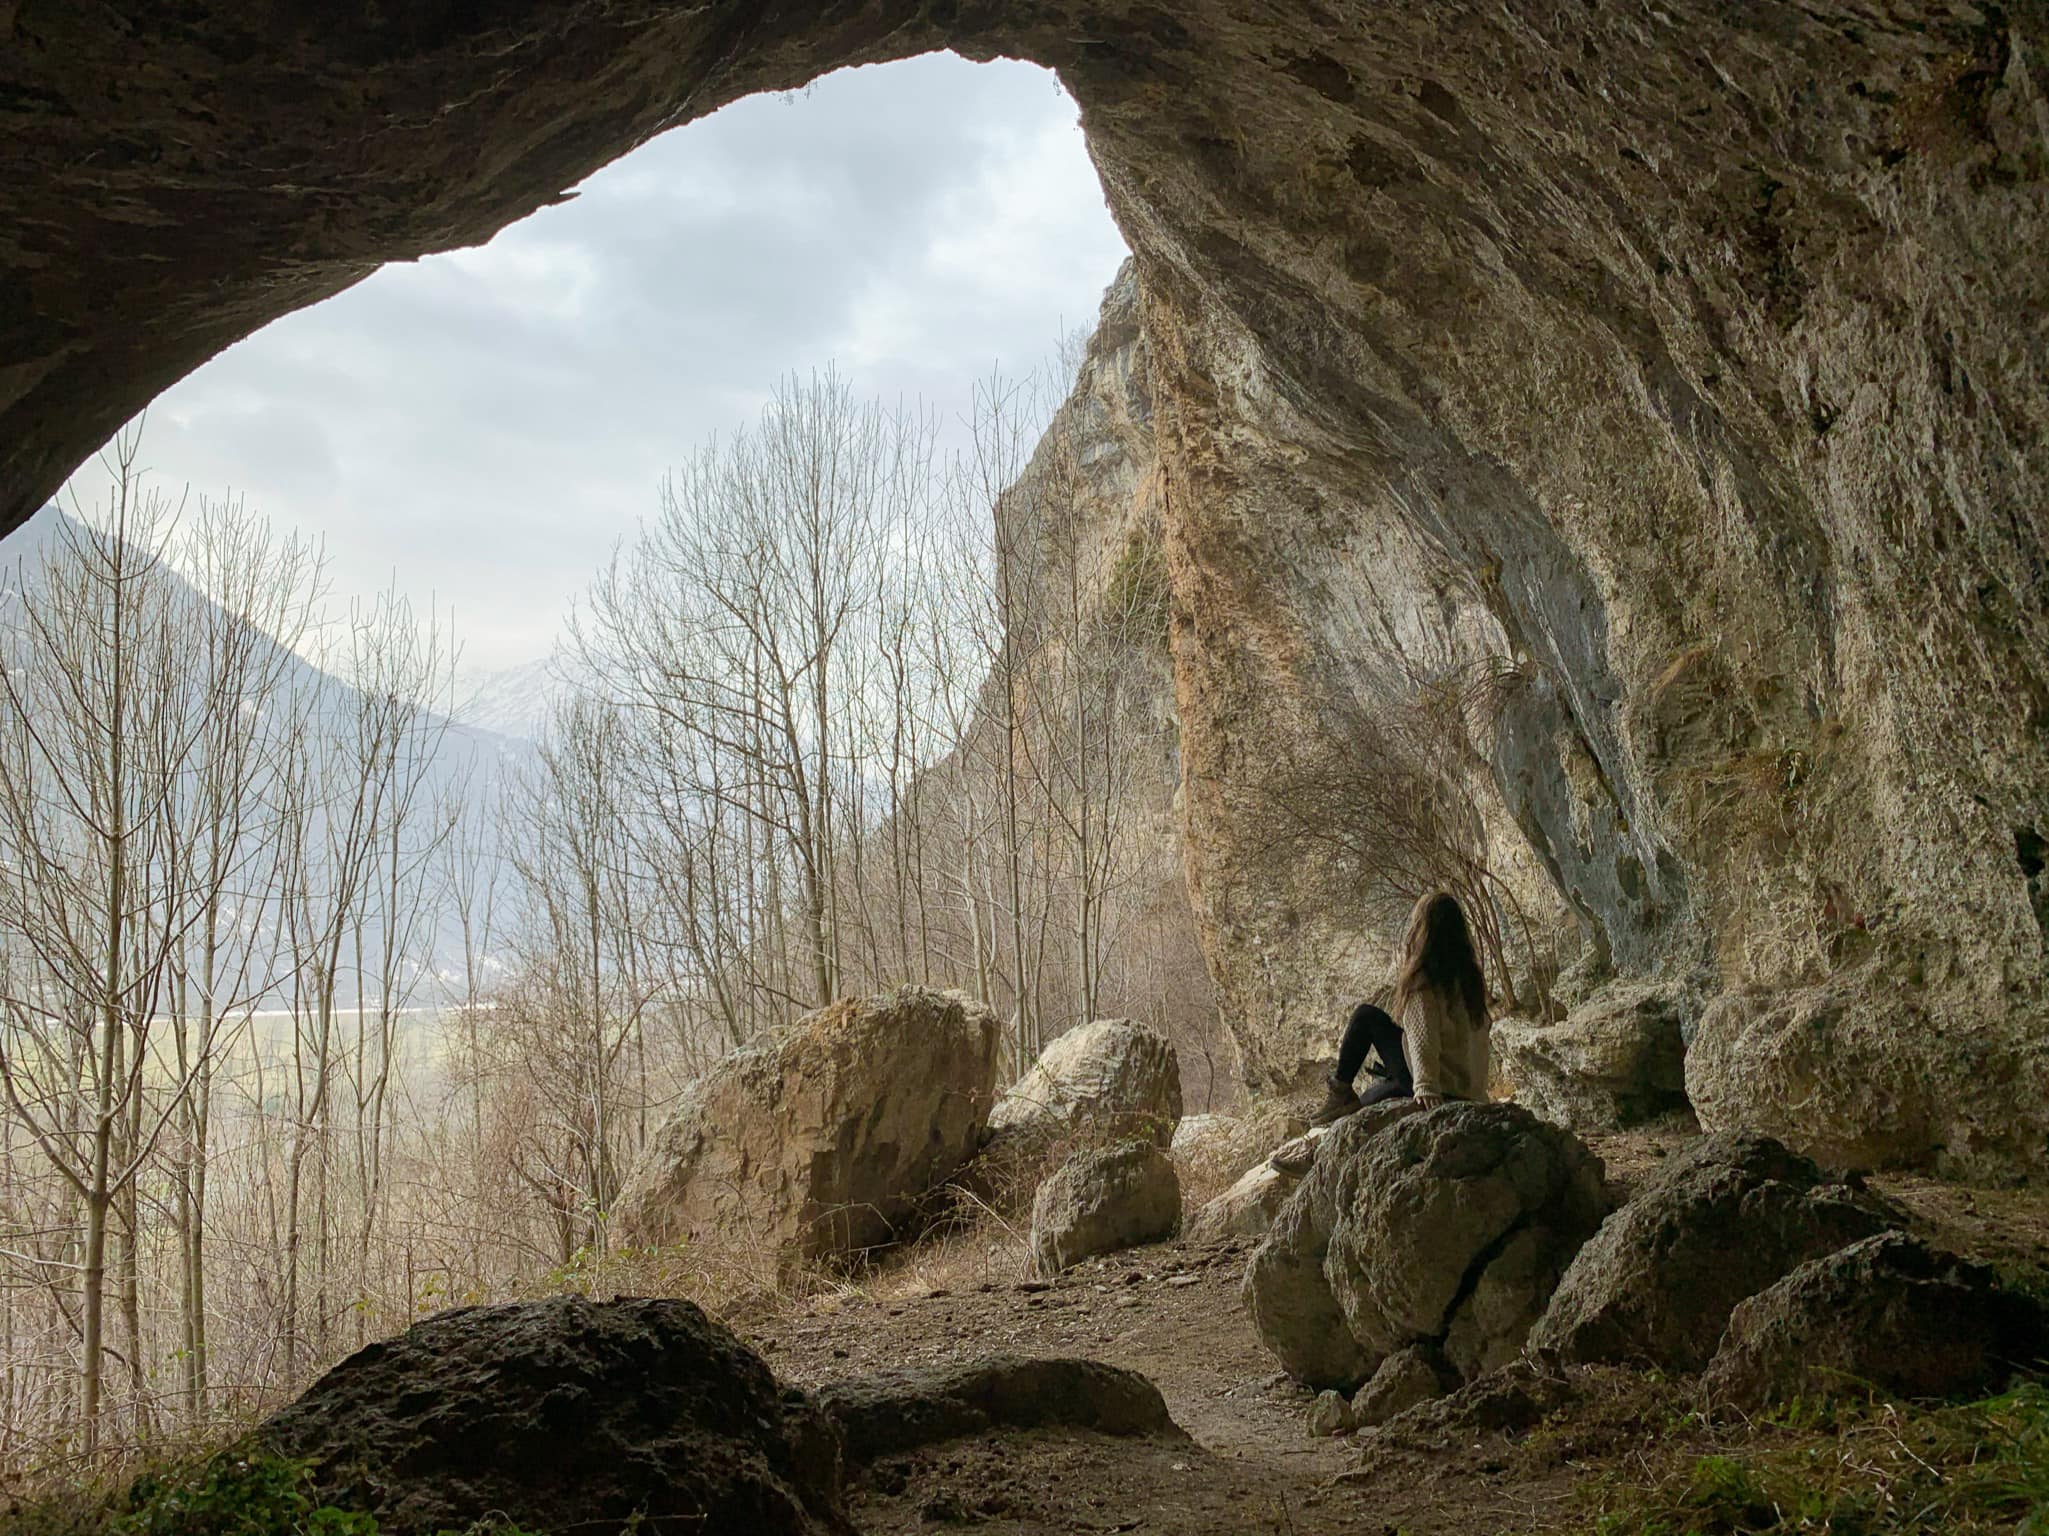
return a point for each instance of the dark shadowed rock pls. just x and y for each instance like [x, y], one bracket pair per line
[568, 1415]
[1104, 1200]
[1888, 1313]
[902, 1410]
[1507, 1401]
[1447, 1227]
[1717, 1225]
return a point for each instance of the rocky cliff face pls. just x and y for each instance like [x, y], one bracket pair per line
[1686, 364]
[1084, 600]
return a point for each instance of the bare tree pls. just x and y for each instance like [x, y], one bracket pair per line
[99, 717]
[738, 625]
[578, 1011]
[252, 602]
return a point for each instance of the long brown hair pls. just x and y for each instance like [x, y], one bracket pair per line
[1438, 953]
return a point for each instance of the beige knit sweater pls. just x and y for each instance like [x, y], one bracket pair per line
[1448, 1053]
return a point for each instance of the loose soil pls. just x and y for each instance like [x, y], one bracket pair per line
[1247, 1462]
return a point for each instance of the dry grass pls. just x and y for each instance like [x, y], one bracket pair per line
[1217, 1161]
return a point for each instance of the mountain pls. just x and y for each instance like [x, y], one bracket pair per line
[510, 702]
[468, 754]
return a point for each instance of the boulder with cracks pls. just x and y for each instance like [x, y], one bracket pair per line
[1447, 1227]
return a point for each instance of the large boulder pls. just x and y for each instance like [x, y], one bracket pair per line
[1447, 1227]
[1102, 1200]
[821, 1139]
[567, 1414]
[1285, 1288]
[1108, 1080]
[1616, 1062]
[1887, 1312]
[1893, 1080]
[1718, 1224]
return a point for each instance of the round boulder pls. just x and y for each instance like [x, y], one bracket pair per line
[1887, 1312]
[821, 1139]
[1447, 1227]
[1718, 1224]
[1110, 1079]
[1103, 1200]
[1875, 1079]
[567, 1414]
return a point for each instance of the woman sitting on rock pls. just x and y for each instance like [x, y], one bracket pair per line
[1438, 1049]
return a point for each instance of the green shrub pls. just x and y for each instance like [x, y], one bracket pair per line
[230, 1494]
[1848, 1467]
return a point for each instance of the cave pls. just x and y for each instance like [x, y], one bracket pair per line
[1683, 363]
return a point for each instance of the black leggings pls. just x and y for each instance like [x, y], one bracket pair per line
[1371, 1028]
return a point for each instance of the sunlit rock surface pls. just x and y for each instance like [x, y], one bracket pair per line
[1680, 371]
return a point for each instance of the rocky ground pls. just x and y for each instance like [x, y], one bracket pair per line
[1248, 1464]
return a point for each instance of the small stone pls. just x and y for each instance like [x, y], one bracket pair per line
[1331, 1414]
[1405, 1378]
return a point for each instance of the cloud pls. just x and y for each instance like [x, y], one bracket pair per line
[487, 423]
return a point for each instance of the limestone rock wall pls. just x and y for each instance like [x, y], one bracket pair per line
[1699, 354]
[1689, 361]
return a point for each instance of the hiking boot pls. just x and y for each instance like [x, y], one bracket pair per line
[1295, 1158]
[1338, 1101]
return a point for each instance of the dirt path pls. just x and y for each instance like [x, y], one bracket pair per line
[1248, 1464]
[1170, 1312]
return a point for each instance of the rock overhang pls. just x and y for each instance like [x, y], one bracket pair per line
[1704, 332]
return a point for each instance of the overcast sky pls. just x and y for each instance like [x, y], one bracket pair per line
[488, 422]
